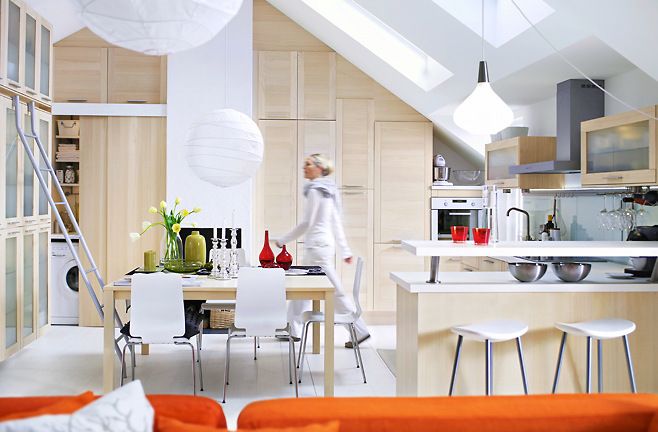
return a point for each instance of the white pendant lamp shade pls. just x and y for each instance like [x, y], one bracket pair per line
[157, 27]
[483, 112]
[224, 148]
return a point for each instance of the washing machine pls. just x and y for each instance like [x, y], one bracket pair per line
[64, 296]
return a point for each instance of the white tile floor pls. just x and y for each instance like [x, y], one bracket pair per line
[67, 360]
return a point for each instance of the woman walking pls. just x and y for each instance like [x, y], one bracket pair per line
[322, 229]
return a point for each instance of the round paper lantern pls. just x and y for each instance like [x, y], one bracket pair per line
[224, 148]
[157, 27]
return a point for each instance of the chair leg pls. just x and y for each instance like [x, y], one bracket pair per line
[588, 378]
[226, 365]
[123, 362]
[559, 362]
[357, 349]
[198, 359]
[302, 353]
[291, 363]
[255, 343]
[454, 366]
[193, 367]
[629, 363]
[599, 367]
[132, 363]
[488, 367]
[354, 342]
[519, 348]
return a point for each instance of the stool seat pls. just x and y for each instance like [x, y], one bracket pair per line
[494, 331]
[599, 329]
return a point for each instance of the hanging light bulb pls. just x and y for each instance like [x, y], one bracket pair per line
[483, 112]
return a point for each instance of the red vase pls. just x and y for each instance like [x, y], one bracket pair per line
[266, 256]
[284, 259]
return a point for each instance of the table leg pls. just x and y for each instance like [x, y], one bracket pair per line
[145, 349]
[316, 329]
[108, 342]
[329, 344]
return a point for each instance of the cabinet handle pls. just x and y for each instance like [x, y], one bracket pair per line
[136, 101]
[355, 193]
[76, 100]
[459, 214]
[467, 269]
[392, 242]
[15, 222]
[352, 186]
[489, 261]
[613, 177]
[46, 98]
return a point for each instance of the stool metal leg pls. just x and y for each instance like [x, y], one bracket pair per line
[559, 362]
[519, 348]
[629, 362]
[488, 367]
[454, 366]
[589, 365]
[600, 364]
[255, 343]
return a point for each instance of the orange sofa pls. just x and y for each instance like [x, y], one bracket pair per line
[540, 413]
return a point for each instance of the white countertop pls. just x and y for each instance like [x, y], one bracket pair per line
[533, 248]
[504, 282]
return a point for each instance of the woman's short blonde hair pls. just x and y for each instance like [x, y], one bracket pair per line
[323, 162]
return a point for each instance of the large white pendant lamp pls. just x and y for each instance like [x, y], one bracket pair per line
[483, 112]
[224, 148]
[157, 27]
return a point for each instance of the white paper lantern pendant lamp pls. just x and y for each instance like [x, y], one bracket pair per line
[224, 148]
[157, 27]
[483, 112]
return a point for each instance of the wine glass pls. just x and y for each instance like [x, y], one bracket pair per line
[603, 214]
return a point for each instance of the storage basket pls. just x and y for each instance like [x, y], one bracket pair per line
[221, 318]
[68, 128]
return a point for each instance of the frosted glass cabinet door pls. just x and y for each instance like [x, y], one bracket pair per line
[28, 176]
[28, 286]
[30, 53]
[13, 43]
[44, 277]
[11, 291]
[44, 63]
[11, 163]
[619, 148]
[44, 135]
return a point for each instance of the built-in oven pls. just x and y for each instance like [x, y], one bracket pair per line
[446, 212]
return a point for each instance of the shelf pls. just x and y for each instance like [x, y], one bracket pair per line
[66, 162]
[70, 184]
[66, 137]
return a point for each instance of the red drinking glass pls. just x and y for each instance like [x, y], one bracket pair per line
[459, 233]
[481, 236]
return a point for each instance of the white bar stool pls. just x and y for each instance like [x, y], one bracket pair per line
[490, 332]
[599, 330]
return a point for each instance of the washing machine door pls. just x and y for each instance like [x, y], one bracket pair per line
[71, 276]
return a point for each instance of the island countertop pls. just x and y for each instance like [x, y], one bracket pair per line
[436, 248]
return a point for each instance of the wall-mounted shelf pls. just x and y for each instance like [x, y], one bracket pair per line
[67, 137]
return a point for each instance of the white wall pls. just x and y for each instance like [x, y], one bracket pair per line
[213, 76]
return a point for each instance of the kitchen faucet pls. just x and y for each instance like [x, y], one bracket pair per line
[527, 216]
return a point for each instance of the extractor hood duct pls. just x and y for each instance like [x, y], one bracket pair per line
[577, 100]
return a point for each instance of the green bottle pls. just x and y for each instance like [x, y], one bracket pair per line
[195, 248]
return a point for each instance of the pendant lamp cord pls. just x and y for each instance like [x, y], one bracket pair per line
[482, 30]
[573, 66]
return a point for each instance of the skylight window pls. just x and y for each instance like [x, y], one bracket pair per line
[503, 22]
[382, 41]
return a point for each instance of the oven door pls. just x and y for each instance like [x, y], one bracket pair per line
[445, 218]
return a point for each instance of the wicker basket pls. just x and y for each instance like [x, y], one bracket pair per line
[221, 318]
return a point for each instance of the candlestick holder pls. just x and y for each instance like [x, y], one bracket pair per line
[223, 262]
[214, 256]
[234, 266]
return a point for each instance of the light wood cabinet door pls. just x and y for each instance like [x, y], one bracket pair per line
[277, 85]
[135, 78]
[80, 74]
[13, 161]
[29, 290]
[13, 60]
[391, 258]
[93, 214]
[43, 281]
[316, 85]
[403, 162]
[276, 183]
[450, 264]
[355, 143]
[44, 65]
[10, 291]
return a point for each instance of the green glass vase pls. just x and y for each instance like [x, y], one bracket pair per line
[195, 248]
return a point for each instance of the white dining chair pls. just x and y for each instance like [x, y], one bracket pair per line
[157, 316]
[346, 320]
[260, 311]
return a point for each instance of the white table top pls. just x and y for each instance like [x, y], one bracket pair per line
[533, 248]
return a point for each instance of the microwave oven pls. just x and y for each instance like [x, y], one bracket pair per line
[446, 212]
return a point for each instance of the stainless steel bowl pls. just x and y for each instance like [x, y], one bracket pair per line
[527, 272]
[570, 271]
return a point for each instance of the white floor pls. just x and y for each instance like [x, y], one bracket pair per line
[67, 360]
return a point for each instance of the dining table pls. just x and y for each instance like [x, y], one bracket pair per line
[317, 288]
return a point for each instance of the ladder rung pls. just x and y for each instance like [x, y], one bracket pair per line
[30, 135]
[91, 270]
[60, 202]
[45, 169]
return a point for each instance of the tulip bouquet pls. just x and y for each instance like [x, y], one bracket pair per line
[171, 222]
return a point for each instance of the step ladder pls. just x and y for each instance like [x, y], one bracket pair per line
[48, 169]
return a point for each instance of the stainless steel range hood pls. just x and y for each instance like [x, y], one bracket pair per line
[577, 100]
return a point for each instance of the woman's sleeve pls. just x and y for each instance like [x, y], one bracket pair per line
[339, 232]
[309, 219]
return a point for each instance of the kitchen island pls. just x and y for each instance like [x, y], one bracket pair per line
[426, 311]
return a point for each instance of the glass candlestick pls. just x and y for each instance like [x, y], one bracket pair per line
[234, 266]
[223, 271]
[214, 273]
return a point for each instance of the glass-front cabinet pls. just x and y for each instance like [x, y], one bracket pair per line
[44, 122]
[14, 54]
[30, 283]
[43, 281]
[10, 254]
[45, 60]
[30, 186]
[13, 158]
[620, 149]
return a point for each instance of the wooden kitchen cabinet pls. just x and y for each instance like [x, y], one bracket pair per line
[403, 163]
[277, 84]
[42, 281]
[13, 160]
[313, 137]
[620, 150]
[45, 76]
[80, 74]
[316, 85]
[391, 258]
[500, 155]
[10, 291]
[135, 78]
[355, 138]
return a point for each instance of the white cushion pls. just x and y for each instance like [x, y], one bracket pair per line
[124, 409]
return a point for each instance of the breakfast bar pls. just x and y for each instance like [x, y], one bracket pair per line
[427, 310]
